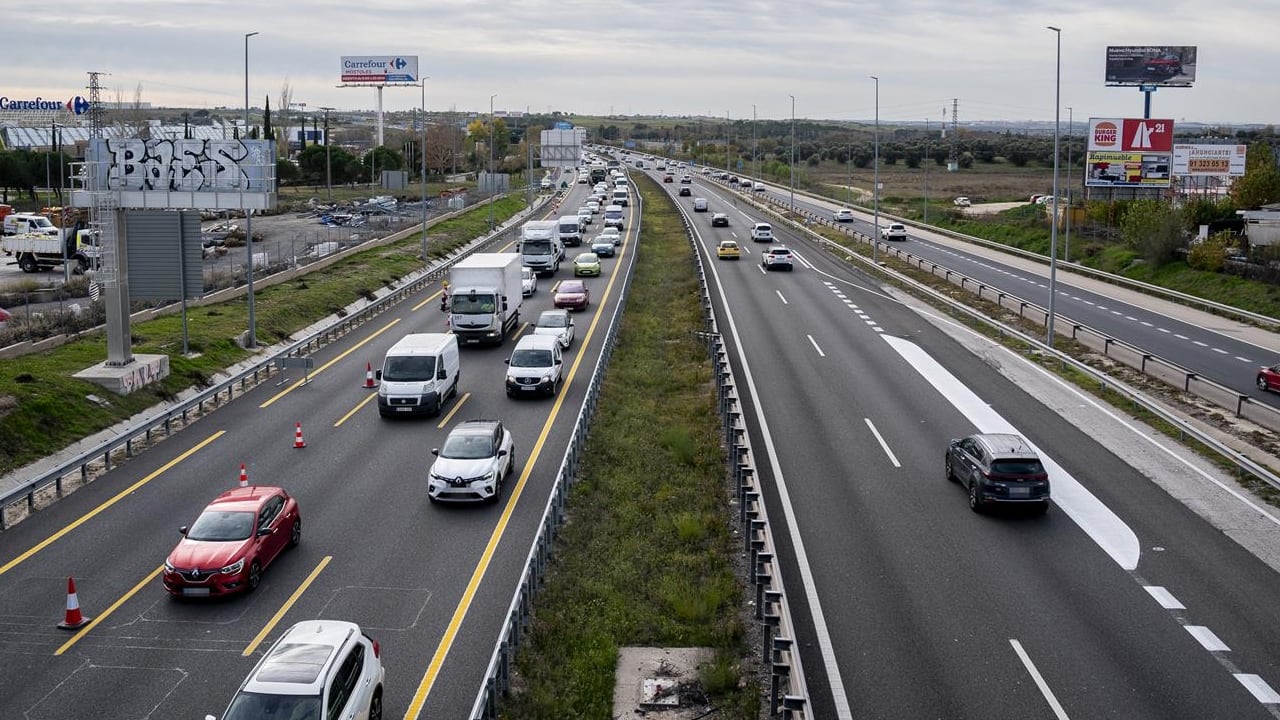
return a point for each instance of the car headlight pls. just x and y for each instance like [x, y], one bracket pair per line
[548, 377]
[168, 567]
[233, 568]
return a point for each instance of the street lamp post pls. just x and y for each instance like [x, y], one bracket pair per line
[727, 161]
[251, 340]
[492, 137]
[875, 182]
[926, 171]
[1066, 245]
[793, 154]
[755, 155]
[424, 168]
[328, 164]
[1053, 232]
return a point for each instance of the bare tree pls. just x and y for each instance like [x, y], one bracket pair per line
[128, 117]
[286, 101]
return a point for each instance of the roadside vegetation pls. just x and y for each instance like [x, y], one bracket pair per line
[43, 408]
[646, 558]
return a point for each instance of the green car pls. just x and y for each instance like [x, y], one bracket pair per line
[586, 264]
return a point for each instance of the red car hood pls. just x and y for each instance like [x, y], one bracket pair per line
[207, 555]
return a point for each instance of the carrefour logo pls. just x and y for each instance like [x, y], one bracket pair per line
[77, 105]
[399, 63]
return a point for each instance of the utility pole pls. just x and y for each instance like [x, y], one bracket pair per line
[926, 171]
[875, 183]
[1066, 250]
[328, 160]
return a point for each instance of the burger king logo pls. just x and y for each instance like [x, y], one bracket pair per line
[1105, 134]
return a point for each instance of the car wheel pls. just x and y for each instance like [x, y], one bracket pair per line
[1262, 383]
[951, 475]
[975, 500]
[375, 705]
[28, 264]
[295, 533]
[255, 575]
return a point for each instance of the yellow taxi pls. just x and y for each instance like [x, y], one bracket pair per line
[728, 250]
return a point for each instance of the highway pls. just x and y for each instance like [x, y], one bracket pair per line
[431, 583]
[1119, 602]
[1216, 348]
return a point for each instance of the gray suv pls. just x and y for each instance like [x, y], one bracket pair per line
[998, 468]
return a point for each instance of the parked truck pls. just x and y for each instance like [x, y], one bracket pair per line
[540, 246]
[484, 297]
[30, 224]
[34, 252]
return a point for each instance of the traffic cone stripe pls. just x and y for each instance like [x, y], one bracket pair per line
[298, 442]
[244, 476]
[368, 375]
[73, 620]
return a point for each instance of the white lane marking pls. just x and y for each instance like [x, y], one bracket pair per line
[1261, 691]
[830, 665]
[1049, 697]
[1181, 336]
[1201, 344]
[815, 346]
[1207, 639]
[892, 458]
[1243, 359]
[1220, 351]
[1144, 322]
[1164, 597]
[780, 297]
[1096, 519]
[1164, 330]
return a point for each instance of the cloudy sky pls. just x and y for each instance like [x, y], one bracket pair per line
[706, 57]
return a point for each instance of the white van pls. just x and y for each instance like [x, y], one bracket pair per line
[620, 196]
[418, 374]
[535, 367]
[570, 229]
[613, 217]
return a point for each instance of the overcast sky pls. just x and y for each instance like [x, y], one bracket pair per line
[705, 57]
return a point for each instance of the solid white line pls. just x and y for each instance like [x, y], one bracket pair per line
[780, 297]
[1207, 638]
[1262, 692]
[815, 346]
[892, 458]
[1040, 683]
[1164, 597]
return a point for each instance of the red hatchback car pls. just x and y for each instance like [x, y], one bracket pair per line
[236, 536]
[571, 294]
[1269, 378]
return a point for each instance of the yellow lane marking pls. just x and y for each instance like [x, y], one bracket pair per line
[356, 409]
[430, 297]
[117, 498]
[520, 331]
[275, 619]
[330, 364]
[107, 613]
[454, 411]
[464, 604]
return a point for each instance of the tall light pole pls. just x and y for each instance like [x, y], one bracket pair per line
[424, 168]
[1066, 248]
[1053, 231]
[251, 340]
[926, 171]
[492, 137]
[726, 144]
[328, 164]
[755, 155]
[793, 154]
[875, 182]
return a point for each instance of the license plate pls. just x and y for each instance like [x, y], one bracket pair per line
[404, 409]
[528, 387]
[1019, 492]
[196, 591]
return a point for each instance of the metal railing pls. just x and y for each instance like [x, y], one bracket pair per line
[102, 457]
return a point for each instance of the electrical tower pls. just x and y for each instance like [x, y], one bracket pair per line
[953, 160]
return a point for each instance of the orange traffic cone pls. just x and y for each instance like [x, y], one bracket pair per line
[368, 376]
[298, 442]
[244, 476]
[73, 620]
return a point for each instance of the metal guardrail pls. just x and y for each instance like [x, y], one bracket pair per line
[1130, 355]
[103, 456]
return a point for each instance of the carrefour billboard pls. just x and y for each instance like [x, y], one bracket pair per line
[1161, 65]
[379, 69]
[1129, 152]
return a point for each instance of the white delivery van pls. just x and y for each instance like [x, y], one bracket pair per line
[569, 228]
[613, 217]
[535, 366]
[620, 196]
[418, 374]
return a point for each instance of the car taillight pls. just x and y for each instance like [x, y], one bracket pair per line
[377, 649]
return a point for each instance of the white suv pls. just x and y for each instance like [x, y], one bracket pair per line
[322, 669]
[762, 232]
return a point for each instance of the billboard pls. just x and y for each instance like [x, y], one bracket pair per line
[182, 174]
[379, 69]
[1129, 152]
[1160, 65]
[1208, 160]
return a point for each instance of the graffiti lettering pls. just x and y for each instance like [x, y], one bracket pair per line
[185, 165]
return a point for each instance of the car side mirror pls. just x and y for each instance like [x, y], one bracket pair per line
[435, 451]
[442, 374]
[182, 530]
[507, 361]
[263, 532]
[377, 375]
[210, 717]
[502, 453]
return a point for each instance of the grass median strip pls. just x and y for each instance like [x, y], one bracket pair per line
[646, 557]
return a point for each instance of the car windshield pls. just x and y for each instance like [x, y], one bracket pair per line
[222, 526]
[472, 304]
[467, 447]
[531, 358]
[409, 368]
[536, 247]
[1029, 466]
[587, 258]
[256, 706]
[572, 287]
[526, 274]
[553, 320]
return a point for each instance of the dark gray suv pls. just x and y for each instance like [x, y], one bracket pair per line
[998, 468]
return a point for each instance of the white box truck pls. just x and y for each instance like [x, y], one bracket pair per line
[484, 297]
[540, 246]
[418, 374]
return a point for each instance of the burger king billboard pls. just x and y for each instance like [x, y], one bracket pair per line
[1129, 152]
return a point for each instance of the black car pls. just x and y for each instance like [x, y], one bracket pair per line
[685, 191]
[998, 468]
[719, 220]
